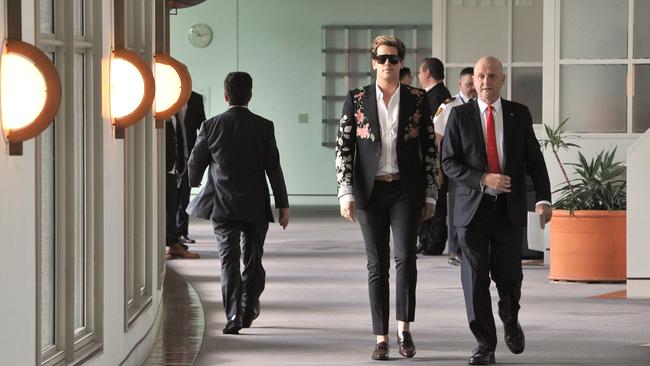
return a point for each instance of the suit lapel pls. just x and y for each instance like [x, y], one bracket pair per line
[370, 104]
[508, 125]
[404, 112]
[478, 130]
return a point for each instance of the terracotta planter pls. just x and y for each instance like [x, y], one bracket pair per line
[588, 246]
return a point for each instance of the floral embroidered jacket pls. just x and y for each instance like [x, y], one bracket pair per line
[358, 145]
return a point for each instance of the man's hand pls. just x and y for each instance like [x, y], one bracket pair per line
[284, 217]
[428, 210]
[545, 213]
[497, 182]
[347, 210]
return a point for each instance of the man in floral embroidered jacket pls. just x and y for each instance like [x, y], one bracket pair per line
[386, 158]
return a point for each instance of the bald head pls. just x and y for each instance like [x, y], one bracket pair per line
[488, 78]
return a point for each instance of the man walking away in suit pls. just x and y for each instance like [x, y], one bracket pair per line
[239, 148]
[386, 158]
[192, 116]
[432, 234]
[488, 146]
[466, 92]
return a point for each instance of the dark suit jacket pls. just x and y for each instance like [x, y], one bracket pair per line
[170, 146]
[438, 95]
[239, 147]
[359, 145]
[194, 117]
[464, 160]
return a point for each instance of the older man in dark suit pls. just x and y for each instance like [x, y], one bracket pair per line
[488, 146]
[239, 148]
[386, 158]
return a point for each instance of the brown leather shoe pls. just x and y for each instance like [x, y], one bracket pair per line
[177, 250]
[381, 352]
[406, 345]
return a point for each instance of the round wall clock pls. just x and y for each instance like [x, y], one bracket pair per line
[199, 35]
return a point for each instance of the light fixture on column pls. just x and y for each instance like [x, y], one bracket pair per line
[173, 86]
[132, 89]
[30, 92]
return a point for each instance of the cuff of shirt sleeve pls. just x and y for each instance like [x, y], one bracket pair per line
[543, 203]
[430, 200]
[348, 197]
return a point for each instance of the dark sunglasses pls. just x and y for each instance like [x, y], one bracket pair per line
[381, 59]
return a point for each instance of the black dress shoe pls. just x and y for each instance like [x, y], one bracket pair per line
[186, 239]
[406, 345]
[250, 314]
[482, 356]
[514, 337]
[232, 327]
[380, 353]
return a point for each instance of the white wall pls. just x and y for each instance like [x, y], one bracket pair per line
[17, 225]
[280, 44]
[638, 217]
[19, 342]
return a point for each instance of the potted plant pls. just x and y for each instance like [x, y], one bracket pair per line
[588, 231]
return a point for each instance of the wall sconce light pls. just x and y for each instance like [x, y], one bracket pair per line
[173, 87]
[30, 93]
[132, 89]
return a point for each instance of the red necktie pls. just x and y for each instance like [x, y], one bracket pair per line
[492, 152]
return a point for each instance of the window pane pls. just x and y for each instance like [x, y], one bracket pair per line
[641, 111]
[642, 29]
[593, 97]
[79, 8]
[451, 79]
[46, 10]
[79, 193]
[527, 89]
[47, 237]
[594, 29]
[527, 31]
[468, 18]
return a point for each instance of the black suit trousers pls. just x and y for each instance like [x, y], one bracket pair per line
[433, 232]
[182, 218]
[389, 209]
[491, 246]
[171, 206]
[245, 240]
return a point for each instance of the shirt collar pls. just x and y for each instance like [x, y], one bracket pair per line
[240, 106]
[482, 105]
[380, 94]
[462, 97]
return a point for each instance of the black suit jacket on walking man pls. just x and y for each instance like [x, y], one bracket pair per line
[240, 149]
[416, 145]
[464, 160]
[438, 95]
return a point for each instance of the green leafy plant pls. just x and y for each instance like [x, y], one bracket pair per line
[599, 183]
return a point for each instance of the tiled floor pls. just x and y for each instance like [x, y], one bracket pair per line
[315, 308]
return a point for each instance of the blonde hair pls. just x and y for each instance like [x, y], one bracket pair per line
[390, 41]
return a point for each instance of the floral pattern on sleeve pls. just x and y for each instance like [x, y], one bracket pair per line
[420, 125]
[363, 125]
[412, 128]
[352, 125]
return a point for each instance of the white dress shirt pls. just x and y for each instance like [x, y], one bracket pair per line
[388, 116]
